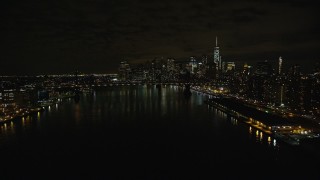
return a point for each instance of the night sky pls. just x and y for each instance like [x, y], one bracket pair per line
[93, 36]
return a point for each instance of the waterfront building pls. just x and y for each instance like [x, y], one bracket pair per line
[124, 71]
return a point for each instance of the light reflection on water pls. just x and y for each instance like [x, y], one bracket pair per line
[165, 98]
[126, 118]
[260, 137]
[269, 140]
[7, 128]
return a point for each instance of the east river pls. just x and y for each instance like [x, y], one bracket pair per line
[142, 132]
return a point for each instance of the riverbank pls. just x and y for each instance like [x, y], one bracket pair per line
[23, 112]
[16, 112]
[290, 130]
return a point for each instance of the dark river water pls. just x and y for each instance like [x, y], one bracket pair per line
[141, 132]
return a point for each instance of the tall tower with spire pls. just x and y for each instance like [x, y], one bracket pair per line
[216, 55]
[280, 65]
[217, 58]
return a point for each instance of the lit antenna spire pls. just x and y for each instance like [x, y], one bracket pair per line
[216, 41]
[280, 64]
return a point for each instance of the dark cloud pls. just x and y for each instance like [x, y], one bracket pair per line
[94, 36]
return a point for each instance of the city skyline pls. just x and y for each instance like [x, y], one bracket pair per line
[54, 37]
[168, 89]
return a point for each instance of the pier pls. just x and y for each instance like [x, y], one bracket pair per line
[286, 129]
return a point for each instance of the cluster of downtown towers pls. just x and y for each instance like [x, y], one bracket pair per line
[267, 82]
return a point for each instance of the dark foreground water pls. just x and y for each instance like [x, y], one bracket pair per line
[143, 133]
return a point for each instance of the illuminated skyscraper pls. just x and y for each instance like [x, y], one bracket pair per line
[216, 56]
[193, 64]
[231, 66]
[280, 65]
[245, 69]
[124, 70]
[170, 65]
